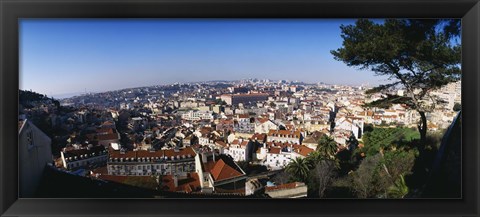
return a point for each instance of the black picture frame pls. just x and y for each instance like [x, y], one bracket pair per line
[12, 10]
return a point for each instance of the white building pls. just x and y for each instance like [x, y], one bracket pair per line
[265, 125]
[278, 155]
[289, 136]
[177, 162]
[197, 115]
[85, 157]
[237, 149]
[35, 153]
[351, 124]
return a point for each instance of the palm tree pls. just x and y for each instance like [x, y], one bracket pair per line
[327, 147]
[399, 188]
[314, 157]
[299, 168]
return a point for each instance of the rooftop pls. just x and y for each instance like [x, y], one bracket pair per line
[181, 153]
[222, 171]
[284, 186]
[188, 184]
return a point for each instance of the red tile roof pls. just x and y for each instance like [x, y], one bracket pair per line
[108, 123]
[226, 122]
[258, 136]
[240, 191]
[111, 136]
[243, 116]
[244, 143]
[303, 150]
[284, 186]
[222, 171]
[251, 94]
[189, 184]
[274, 150]
[284, 133]
[101, 170]
[104, 130]
[208, 166]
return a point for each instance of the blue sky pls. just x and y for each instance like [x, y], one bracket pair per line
[60, 56]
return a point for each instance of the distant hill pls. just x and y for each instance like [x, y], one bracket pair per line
[29, 99]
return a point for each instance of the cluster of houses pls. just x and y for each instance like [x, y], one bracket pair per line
[191, 137]
[211, 162]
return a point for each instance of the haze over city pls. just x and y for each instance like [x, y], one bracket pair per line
[67, 57]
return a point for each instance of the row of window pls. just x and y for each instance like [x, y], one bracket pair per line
[158, 168]
[123, 173]
[84, 163]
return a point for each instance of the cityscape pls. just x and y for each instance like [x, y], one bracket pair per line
[248, 137]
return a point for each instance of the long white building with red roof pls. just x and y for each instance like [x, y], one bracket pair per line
[144, 163]
[277, 155]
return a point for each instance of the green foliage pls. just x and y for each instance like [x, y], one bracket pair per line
[378, 175]
[390, 154]
[434, 139]
[321, 177]
[368, 128]
[381, 88]
[341, 187]
[26, 95]
[283, 177]
[388, 138]
[299, 168]
[399, 189]
[315, 170]
[370, 180]
[418, 54]
[314, 157]
[389, 100]
[327, 147]
[26, 98]
[399, 162]
[412, 51]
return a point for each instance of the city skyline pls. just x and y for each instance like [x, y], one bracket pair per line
[93, 55]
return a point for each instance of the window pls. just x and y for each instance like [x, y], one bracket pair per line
[29, 139]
